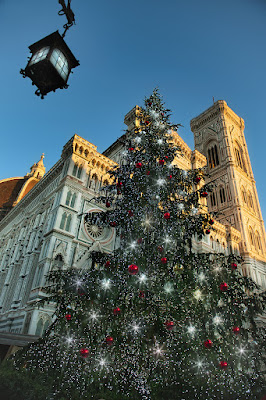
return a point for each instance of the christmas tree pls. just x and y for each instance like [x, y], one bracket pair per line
[154, 319]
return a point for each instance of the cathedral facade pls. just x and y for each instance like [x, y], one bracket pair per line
[42, 215]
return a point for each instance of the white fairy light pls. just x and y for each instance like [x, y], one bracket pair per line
[133, 245]
[184, 173]
[168, 288]
[160, 141]
[154, 114]
[94, 316]
[217, 269]
[197, 294]
[102, 362]
[191, 329]
[199, 364]
[158, 351]
[143, 278]
[124, 153]
[69, 340]
[137, 139]
[194, 211]
[181, 206]
[217, 320]
[78, 283]
[106, 283]
[167, 240]
[201, 277]
[241, 350]
[135, 327]
[160, 182]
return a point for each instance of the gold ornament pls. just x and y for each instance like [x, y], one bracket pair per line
[60, 292]
[178, 269]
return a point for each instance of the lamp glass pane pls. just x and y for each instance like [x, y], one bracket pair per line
[59, 61]
[39, 55]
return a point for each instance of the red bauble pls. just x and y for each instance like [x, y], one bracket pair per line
[164, 260]
[68, 317]
[108, 263]
[148, 172]
[166, 157]
[109, 340]
[169, 325]
[223, 287]
[112, 223]
[131, 149]
[119, 184]
[130, 213]
[133, 269]
[233, 266]
[197, 179]
[204, 194]
[208, 344]
[170, 177]
[116, 311]
[147, 122]
[207, 231]
[139, 241]
[223, 364]
[211, 221]
[138, 165]
[107, 204]
[141, 294]
[236, 330]
[161, 162]
[84, 352]
[166, 215]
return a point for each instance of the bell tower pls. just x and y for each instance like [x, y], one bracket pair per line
[219, 135]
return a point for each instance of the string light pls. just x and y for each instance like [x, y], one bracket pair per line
[106, 283]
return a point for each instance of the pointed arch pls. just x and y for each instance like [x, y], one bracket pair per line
[63, 221]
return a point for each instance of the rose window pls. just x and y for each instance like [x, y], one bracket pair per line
[95, 231]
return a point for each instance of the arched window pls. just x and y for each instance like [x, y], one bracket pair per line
[239, 157]
[46, 326]
[68, 223]
[69, 194]
[251, 236]
[73, 200]
[79, 172]
[250, 200]
[213, 199]
[244, 196]
[39, 328]
[63, 221]
[257, 241]
[74, 172]
[213, 157]
[222, 195]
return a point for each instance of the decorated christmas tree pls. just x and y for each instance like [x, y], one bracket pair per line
[154, 319]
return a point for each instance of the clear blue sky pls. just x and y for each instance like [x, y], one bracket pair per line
[192, 50]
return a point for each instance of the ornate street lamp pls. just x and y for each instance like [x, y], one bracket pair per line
[51, 61]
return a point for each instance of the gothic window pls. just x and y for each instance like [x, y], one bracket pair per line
[39, 328]
[63, 221]
[69, 194]
[257, 241]
[213, 199]
[68, 223]
[46, 325]
[73, 200]
[239, 157]
[79, 172]
[250, 200]
[251, 236]
[213, 157]
[74, 172]
[222, 195]
[244, 196]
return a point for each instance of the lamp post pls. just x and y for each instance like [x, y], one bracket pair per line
[52, 60]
